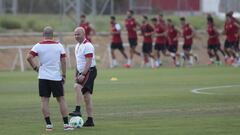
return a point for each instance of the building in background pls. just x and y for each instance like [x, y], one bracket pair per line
[220, 7]
[111, 7]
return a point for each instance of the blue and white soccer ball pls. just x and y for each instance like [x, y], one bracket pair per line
[76, 122]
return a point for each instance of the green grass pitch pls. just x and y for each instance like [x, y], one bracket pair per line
[140, 102]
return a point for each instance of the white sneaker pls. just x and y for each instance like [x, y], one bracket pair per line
[49, 127]
[68, 127]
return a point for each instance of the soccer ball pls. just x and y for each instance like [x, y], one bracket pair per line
[76, 122]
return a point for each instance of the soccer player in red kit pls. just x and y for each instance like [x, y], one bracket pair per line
[89, 30]
[131, 27]
[188, 34]
[236, 46]
[173, 34]
[160, 41]
[231, 29]
[213, 42]
[116, 42]
[147, 32]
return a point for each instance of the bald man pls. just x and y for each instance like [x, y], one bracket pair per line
[86, 73]
[51, 75]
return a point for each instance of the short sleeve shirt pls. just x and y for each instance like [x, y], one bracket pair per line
[50, 54]
[82, 51]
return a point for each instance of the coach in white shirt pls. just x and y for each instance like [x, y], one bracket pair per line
[86, 73]
[51, 75]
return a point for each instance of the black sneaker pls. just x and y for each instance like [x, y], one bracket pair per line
[75, 113]
[88, 123]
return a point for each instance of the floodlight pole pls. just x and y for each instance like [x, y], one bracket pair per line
[14, 6]
[131, 4]
[94, 7]
[112, 7]
[1, 7]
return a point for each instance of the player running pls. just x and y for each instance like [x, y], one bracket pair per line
[131, 27]
[214, 44]
[160, 41]
[231, 29]
[173, 34]
[236, 46]
[188, 33]
[147, 32]
[116, 42]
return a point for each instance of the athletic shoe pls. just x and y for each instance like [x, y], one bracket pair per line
[235, 65]
[160, 64]
[210, 62]
[218, 63]
[49, 127]
[75, 113]
[177, 63]
[126, 65]
[230, 61]
[67, 127]
[88, 123]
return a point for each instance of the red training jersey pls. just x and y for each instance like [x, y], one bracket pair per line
[87, 29]
[172, 35]
[160, 29]
[187, 31]
[231, 31]
[145, 29]
[213, 36]
[131, 26]
[116, 37]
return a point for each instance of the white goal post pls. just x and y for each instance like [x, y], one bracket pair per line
[20, 52]
[19, 56]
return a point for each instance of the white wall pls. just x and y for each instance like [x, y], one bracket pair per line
[210, 6]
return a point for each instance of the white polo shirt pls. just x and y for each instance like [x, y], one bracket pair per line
[83, 50]
[49, 53]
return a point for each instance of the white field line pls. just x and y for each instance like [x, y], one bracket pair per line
[200, 90]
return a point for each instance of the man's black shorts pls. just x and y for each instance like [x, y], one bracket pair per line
[236, 46]
[214, 47]
[159, 47]
[147, 48]
[46, 87]
[88, 82]
[230, 45]
[132, 42]
[187, 47]
[172, 48]
[117, 46]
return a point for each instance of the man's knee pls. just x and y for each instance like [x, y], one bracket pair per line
[60, 99]
[44, 99]
[77, 86]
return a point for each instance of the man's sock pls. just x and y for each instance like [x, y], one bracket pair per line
[77, 109]
[65, 120]
[48, 121]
